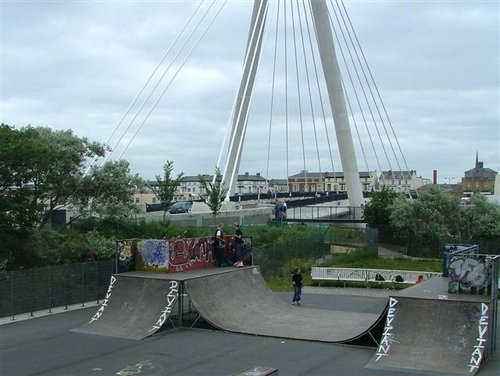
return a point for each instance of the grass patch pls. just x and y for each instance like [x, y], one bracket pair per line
[279, 284]
[365, 258]
[360, 258]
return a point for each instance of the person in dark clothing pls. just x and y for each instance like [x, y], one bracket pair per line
[297, 283]
[238, 245]
[219, 246]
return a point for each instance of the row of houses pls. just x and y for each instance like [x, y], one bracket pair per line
[191, 188]
[478, 180]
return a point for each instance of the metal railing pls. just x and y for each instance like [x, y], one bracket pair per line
[335, 213]
[31, 290]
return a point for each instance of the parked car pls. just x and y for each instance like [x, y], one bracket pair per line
[180, 207]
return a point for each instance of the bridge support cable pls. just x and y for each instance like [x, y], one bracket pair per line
[358, 101]
[189, 38]
[337, 102]
[141, 91]
[337, 92]
[287, 128]
[299, 96]
[319, 91]
[352, 44]
[308, 82]
[349, 33]
[174, 75]
[362, 87]
[273, 84]
[374, 85]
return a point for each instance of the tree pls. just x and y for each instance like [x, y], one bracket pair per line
[167, 186]
[480, 220]
[39, 171]
[107, 191]
[42, 170]
[215, 192]
[377, 211]
[427, 222]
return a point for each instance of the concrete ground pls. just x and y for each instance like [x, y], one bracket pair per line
[44, 345]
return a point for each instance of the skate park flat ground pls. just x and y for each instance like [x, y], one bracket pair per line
[45, 345]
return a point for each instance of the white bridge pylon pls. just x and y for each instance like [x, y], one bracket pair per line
[333, 81]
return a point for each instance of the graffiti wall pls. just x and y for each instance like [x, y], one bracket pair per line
[469, 274]
[191, 253]
[125, 255]
[174, 255]
[152, 255]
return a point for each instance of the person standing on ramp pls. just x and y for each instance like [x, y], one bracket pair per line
[238, 245]
[219, 246]
[297, 283]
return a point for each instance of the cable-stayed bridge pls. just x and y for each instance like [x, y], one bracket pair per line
[304, 64]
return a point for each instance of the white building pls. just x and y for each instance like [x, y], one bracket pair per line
[335, 181]
[402, 181]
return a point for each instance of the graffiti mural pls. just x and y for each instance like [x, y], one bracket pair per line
[153, 255]
[192, 253]
[174, 255]
[469, 272]
[125, 255]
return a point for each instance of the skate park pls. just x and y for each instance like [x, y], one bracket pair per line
[226, 321]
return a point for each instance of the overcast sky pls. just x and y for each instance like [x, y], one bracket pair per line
[79, 65]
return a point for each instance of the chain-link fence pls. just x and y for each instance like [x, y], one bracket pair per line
[30, 290]
[280, 257]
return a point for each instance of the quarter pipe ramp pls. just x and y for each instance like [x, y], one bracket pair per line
[429, 331]
[133, 308]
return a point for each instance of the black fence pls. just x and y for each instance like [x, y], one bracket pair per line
[31, 290]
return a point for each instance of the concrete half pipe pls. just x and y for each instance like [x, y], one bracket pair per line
[240, 301]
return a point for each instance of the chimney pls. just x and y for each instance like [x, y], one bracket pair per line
[434, 176]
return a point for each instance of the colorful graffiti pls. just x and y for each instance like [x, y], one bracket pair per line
[188, 254]
[153, 255]
[174, 255]
[469, 272]
[125, 256]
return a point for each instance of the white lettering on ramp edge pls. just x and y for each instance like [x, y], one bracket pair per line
[171, 298]
[388, 335]
[477, 353]
[105, 302]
